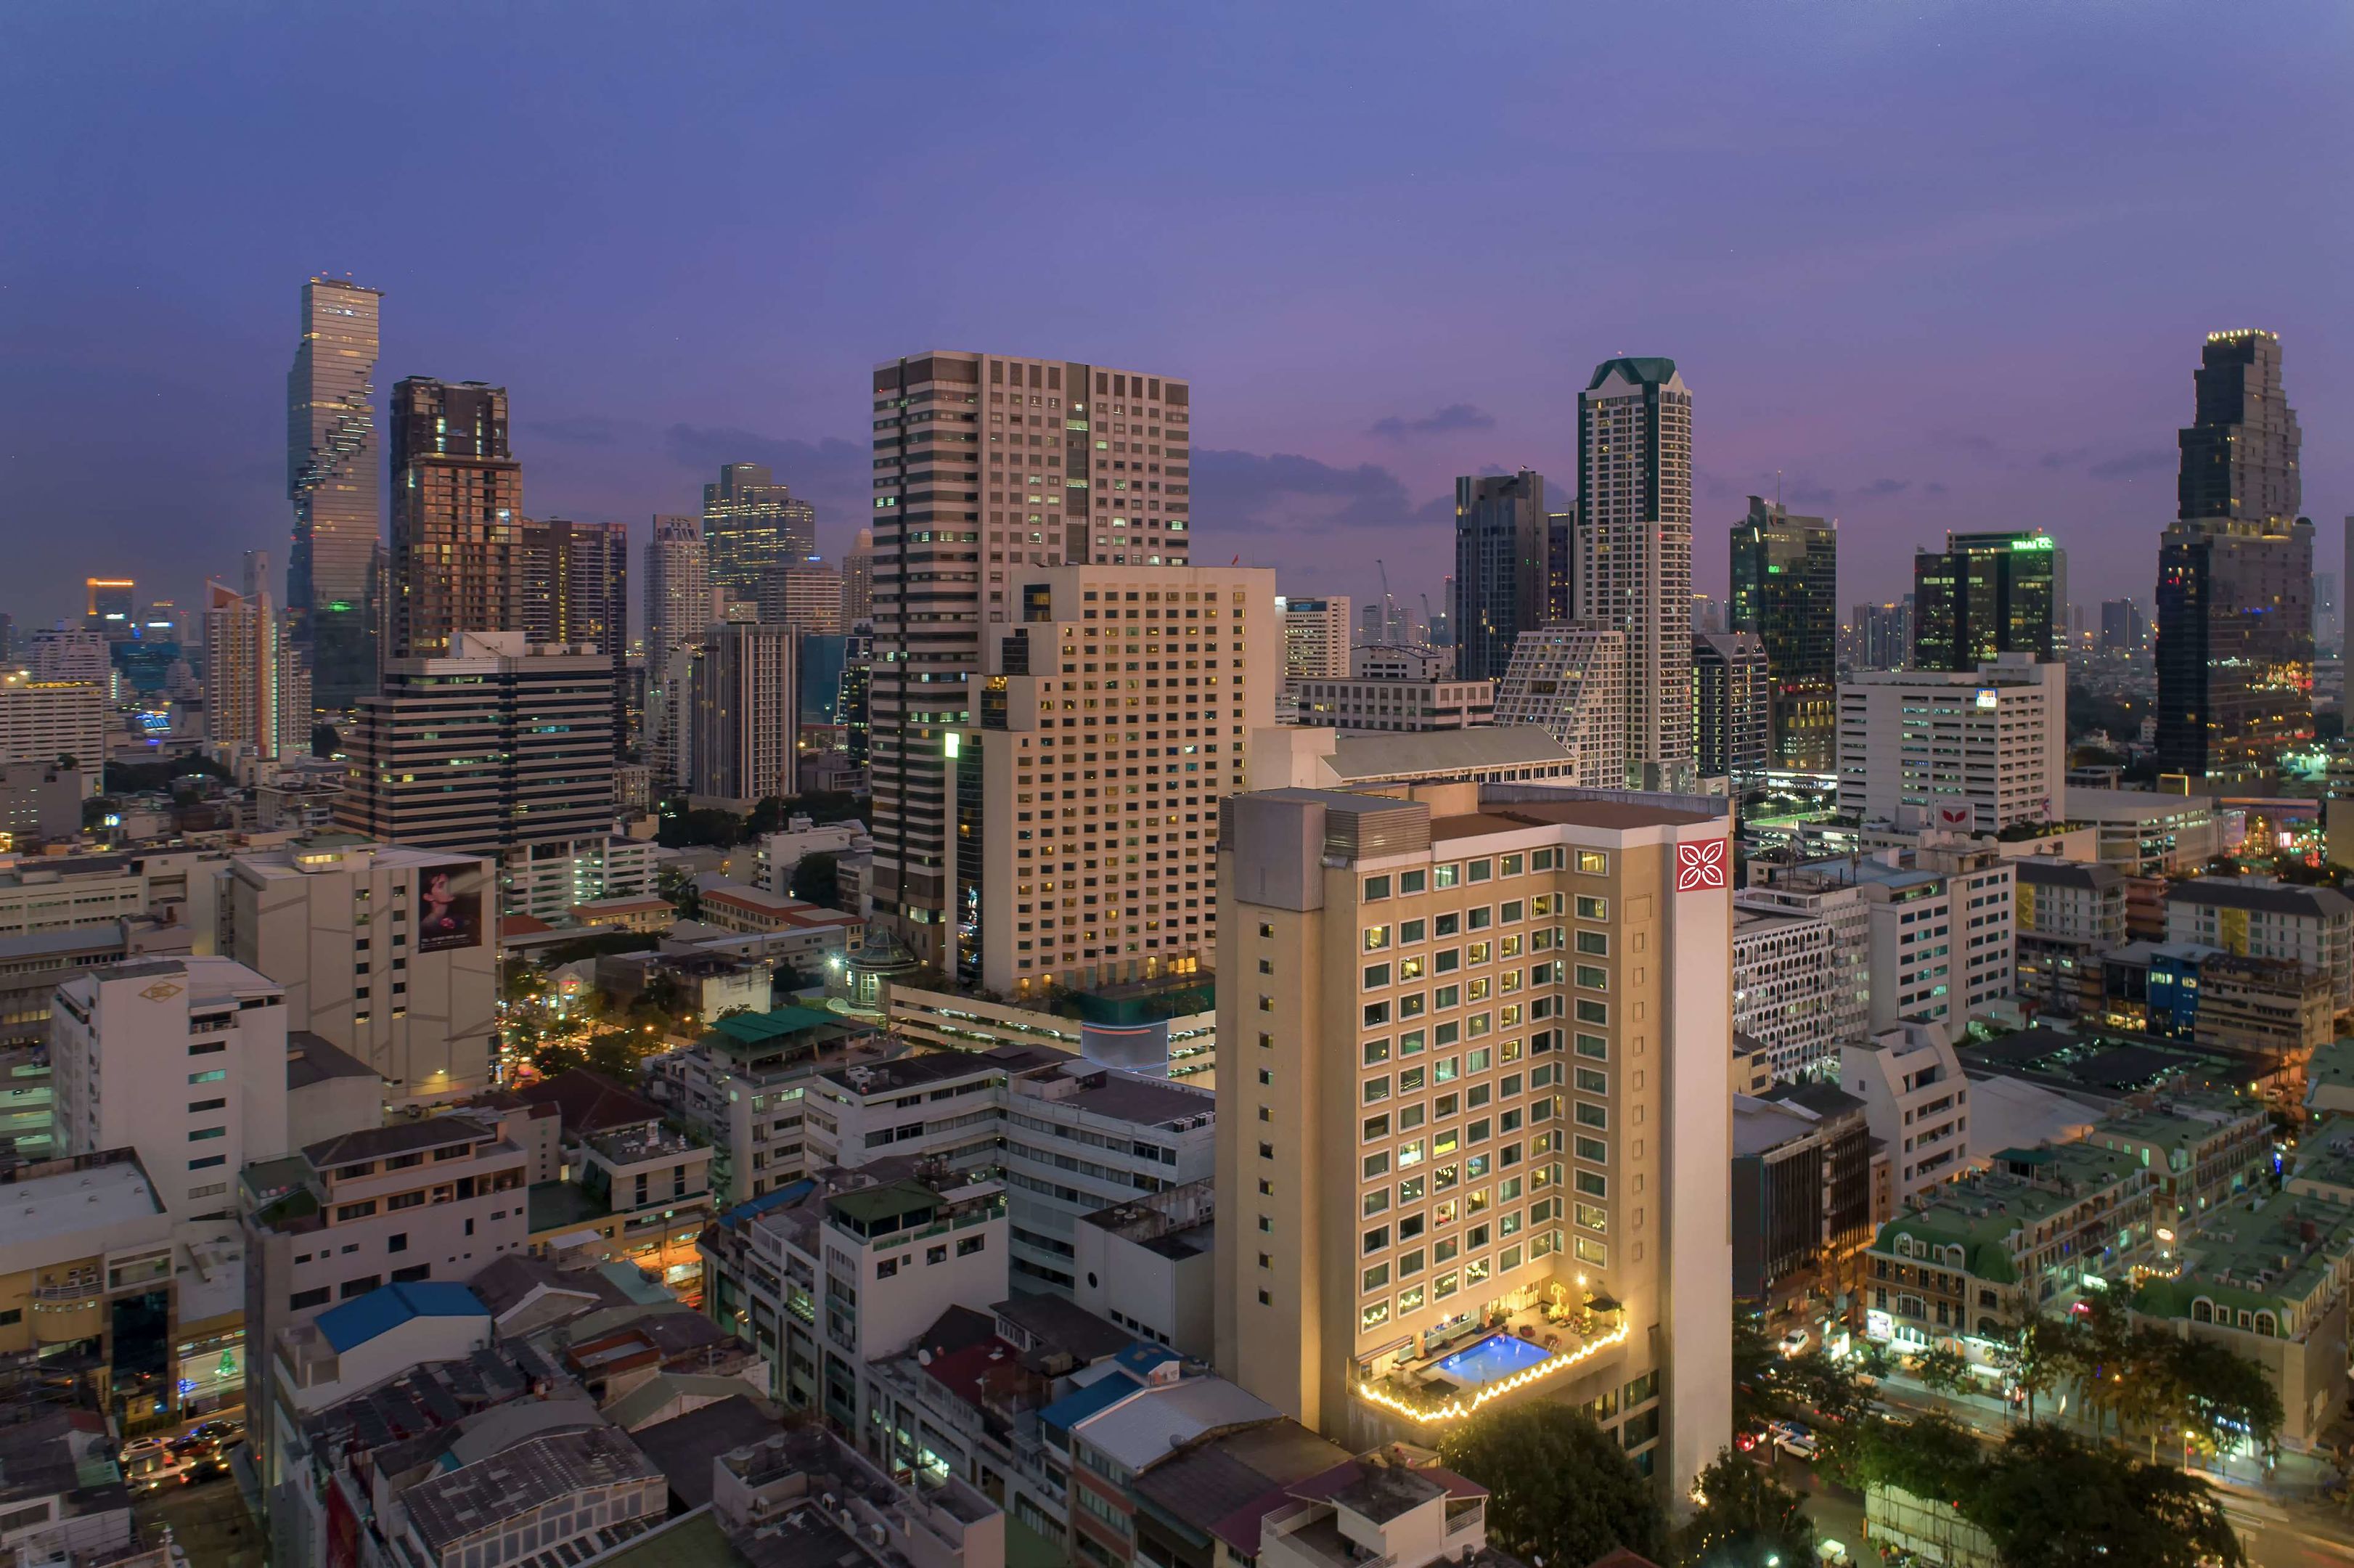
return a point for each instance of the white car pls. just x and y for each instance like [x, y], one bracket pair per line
[1791, 1343]
[1797, 1442]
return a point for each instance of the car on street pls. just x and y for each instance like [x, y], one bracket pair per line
[1791, 1343]
[202, 1471]
[1797, 1442]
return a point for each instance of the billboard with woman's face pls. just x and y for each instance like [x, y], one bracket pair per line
[449, 907]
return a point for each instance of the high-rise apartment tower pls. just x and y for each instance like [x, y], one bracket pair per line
[459, 560]
[1634, 556]
[984, 464]
[1501, 572]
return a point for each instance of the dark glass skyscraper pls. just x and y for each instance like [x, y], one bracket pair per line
[1502, 571]
[334, 586]
[1986, 594]
[459, 561]
[1785, 594]
[2240, 451]
[2235, 576]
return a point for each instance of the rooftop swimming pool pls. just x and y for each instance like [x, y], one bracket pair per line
[1497, 1356]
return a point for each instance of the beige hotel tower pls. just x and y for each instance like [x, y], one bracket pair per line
[1474, 1122]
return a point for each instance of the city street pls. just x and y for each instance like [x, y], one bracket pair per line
[209, 1522]
[2285, 1520]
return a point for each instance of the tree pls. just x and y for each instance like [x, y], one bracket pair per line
[2049, 1500]
[1559, 1487]
[1934, 1459]
[2221, 1397]
[612, 1053]
[2044, 1352]
[324, 741]
[814, 878]
[681, 828]
[1744, 1517]
[1941, 1370]
[1752, 1368]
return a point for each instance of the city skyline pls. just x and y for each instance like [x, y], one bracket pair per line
[637, 394]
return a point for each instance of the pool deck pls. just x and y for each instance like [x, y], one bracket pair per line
[1422, 1383]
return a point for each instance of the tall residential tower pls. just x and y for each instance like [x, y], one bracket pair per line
[1634, 555]
[458, 561]
[1501, 570]
[986, 463]
[334, 586]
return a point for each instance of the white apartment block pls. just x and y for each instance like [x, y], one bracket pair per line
[67, 893]
[2261, 918]
[1634, 551]
[183, 1060]
[1570, 681]
[42, 720]
[1915, 1099]
[1315, 635]
[1411, 706]
[1400, 662]
[1801, 978]
[1112, 720]
[2144, 833]
[1954, 750]
[1066, 1136]
[387, 953]
[548, 881]
[1943, 926]
[65, 655]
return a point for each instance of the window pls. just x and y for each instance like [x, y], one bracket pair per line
[1376, 1051]
[1593, 1183]
[1377, 887]
[1593, 908]
[303, 1299]
[1446, 876]
[1410, 881]
[1377, 939]
[214, 1077]
[359, 1286]
[970, 1245]
[1593, 863]
[1595, 944]
[1592, 1148]
[1593, 1047]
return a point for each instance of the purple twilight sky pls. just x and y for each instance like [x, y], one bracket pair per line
[1941, 265]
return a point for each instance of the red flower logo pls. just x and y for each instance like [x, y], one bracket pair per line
[1700, 866]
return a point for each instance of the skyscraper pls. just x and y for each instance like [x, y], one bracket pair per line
[858, 581]
[495, 747]
[257, 690]
[575, 589]
[677, 616]
[1731, 708]
[1986, 594]
[458, 562]
[1785, 594]
[1315, 635]
[1158, 913]
[750, 522]
[808, 597]
[1561, 566]
[1634, 555]
[333, 587]
[2235, 575]
[2124, 628]
[746, 723]
[1502, 577]
[949, 524]
[2239, 450]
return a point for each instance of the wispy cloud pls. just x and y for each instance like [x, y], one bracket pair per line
[578, 431]
[1887, 487]
[1454, 416]
[2130, 465]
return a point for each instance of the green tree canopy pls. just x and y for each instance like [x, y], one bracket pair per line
[1941, 1370]
[1744, 1517]
[814, 878]
[1559, 1487]
[2050, 1501]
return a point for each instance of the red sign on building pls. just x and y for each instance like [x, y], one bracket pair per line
[1700, 866]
